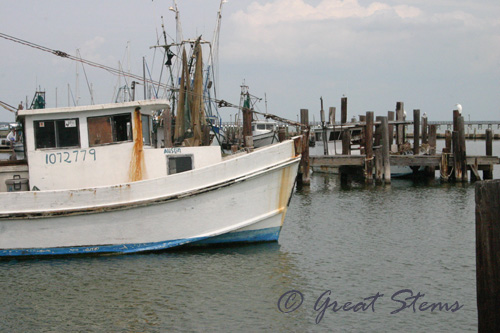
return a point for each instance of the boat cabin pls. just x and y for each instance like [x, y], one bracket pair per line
[97, 145]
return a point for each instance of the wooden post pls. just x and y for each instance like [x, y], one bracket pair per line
[304, 162]
[399, 128]
[346, 142]
[331, 115]
[488, 174]
[343, 110]
[281, 134]
[456, 114]
[416, 132]
[362, 118]
[488, 255]
[390, 117]
[384, 128]
[377, 137]
[369, 147]
[247, 127]
[424, 130]
[379, 165]
[461, 142]
[167, 127]
[447, 140]
[432, 139]
[431, 170]
[457, 167]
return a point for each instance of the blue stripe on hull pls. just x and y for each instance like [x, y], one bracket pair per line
[262, 235]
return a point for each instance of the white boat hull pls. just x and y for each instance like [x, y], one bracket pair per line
[232, 201]
[264, 139]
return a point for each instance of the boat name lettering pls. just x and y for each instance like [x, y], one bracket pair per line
[73, 156]
[172, 151]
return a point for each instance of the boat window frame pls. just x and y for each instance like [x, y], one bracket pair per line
[171, 157]
[146, 140]
[114, 135]
[56, 133]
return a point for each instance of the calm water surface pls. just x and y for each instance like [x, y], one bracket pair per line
[356, 242]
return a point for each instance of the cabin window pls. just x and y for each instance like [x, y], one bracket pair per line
[109, 129]
[146, 129]
[179, 163]
[261, 126]
[59, 133]
[270, 126]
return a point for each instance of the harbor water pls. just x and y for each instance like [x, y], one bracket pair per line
[397, 253]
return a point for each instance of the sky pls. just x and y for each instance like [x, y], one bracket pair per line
[429, 54]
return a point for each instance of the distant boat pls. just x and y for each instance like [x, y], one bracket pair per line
[94, 183]
[264, 132]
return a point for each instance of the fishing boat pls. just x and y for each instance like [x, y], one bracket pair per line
[264, 132]
[95, 183]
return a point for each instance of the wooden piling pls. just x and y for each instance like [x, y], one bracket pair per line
[369, 147]
[304, 178]
[343, 110]
[379, 165]
[331, 115]
[281, 134]
[425, 139]
[416, 132]
[399, 128]
[247, 127]
[487, 195]
[390, 117]
[432, 139]
[462, 149]
[488, 174]
[384, 129]
[447, 140]
[346, 142]
[377, 136]
[457, 167]
[456, 114]
[431, 170]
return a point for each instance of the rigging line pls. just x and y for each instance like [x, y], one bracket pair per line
[87, 80]
[88, 62]
[149, 73]
[8, 107]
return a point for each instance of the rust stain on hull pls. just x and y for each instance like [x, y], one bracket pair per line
[137, 165]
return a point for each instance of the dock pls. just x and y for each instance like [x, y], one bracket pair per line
[381, 147]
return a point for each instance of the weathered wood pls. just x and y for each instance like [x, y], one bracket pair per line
[489, 142]
[443, 167]
[399, 128]
[462, 150]
[384, 129]
[304, 178]
[431, 170]
[379, 165]
[488, 173]
[390, 118]
[167, 127]
[369, 146]
[247, 125]
[424, 130]
[432, 139]
[346, 142]
[457, 167]
[447, 139]
[402, 160]
[456, 114]
[416, 132]
[281, 134]
[487, 195]
[343, 110]
[331, 115]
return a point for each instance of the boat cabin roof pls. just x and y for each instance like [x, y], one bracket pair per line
[146, 107]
